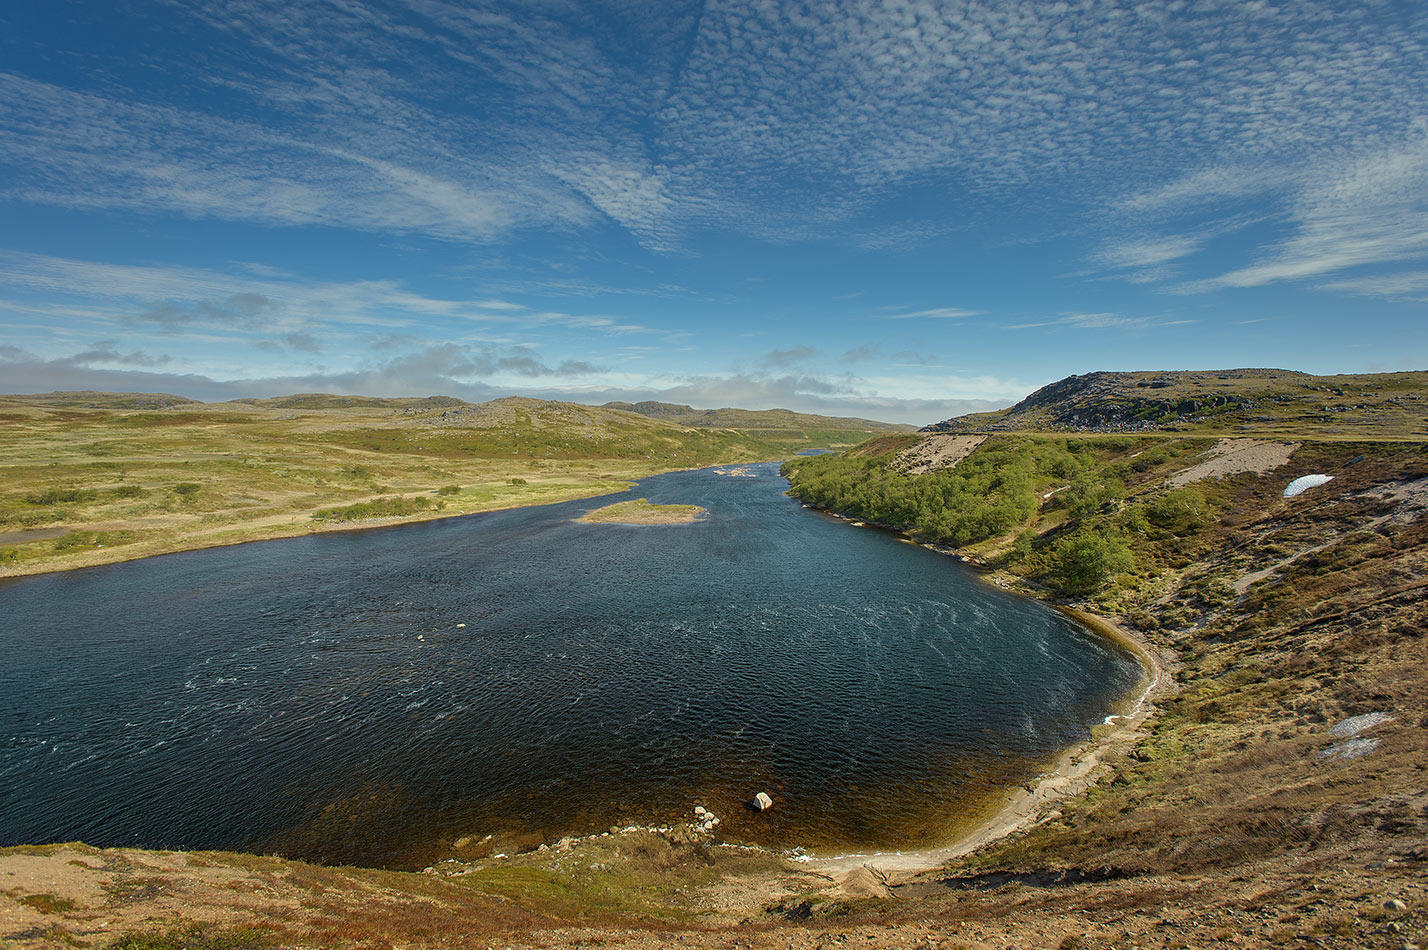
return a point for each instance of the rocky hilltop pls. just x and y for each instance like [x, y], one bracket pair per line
[1227, 401]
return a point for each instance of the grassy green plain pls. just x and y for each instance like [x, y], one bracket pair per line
[92, 478]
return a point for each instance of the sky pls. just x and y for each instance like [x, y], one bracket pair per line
[902, 211]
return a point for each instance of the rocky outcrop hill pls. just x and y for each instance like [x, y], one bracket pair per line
[1388, 405]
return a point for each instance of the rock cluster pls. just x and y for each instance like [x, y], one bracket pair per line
[1110, 402]
[704, 819]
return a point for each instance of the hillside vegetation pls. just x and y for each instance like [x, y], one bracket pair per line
[1278, 797]
[91, 477]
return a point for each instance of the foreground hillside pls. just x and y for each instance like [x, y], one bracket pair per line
[88, 478]
[1277, 797]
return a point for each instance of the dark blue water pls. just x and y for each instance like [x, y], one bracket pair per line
[316, 696]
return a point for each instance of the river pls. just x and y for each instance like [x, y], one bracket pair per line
[374, 696]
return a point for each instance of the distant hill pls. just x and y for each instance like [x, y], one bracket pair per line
[752, 418]
[91, 399]
[1270, 401]
[332, 401]
[655, 410]
[772, 428]
[534, 414]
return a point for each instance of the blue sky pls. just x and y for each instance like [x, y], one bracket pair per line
[896, 210]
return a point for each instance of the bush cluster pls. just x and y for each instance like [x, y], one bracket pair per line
[378, 508]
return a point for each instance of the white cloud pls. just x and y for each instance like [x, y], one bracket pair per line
[780, 121]
[1337, 213]
[199, 298]
[935, 313]
[1099, 321]
[1412, 285]
[1372, 209]
[1209, 186]
[792, 356]
[480, 373]
[1140, 253]
[991, 96]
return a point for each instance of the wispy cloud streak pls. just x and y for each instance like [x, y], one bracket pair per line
[475, 121]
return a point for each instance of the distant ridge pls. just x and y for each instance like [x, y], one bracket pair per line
[672, 413]
[728, 418]
[1261, 400]
[93, 399]
[332, 401]
[747, 432]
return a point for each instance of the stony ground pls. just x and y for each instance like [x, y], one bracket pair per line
[936, 452]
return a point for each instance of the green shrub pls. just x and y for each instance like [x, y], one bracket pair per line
[1150, 459]
[48, 903]
[187, 489]
[60, 496]
[1024, 544]
[1180, 512]
[1086, 561]
[75, 539]
[378, 508]
[449, 490]
[988, 493]
[87, 539]
[1090, 493]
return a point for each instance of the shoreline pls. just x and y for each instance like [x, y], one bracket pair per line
[276, 532]
[1069, 773]
[642, 513]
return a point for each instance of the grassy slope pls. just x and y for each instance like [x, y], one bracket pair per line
[90, 478]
